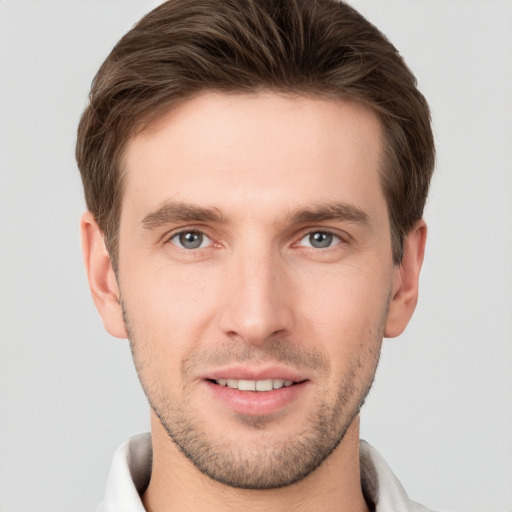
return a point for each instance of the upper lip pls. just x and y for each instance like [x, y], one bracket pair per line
[254, 373]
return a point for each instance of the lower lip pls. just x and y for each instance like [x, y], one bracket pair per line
[256, 403]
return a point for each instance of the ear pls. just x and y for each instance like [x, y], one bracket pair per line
[102, 279]
[405, 281]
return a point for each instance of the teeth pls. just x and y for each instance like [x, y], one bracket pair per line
[255, 385]
[278, 383]
[247, 385]
[264, 385]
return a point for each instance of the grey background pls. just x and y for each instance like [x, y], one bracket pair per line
[441, 409]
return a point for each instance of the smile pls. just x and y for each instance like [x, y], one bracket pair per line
[254, 385]
[256, 397]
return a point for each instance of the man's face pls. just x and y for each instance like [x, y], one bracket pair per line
[255, 274]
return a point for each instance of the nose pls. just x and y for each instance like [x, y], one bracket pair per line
[258, 297]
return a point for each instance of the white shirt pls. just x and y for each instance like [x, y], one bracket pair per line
[131, 471]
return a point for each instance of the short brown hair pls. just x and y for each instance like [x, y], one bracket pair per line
[321, 48]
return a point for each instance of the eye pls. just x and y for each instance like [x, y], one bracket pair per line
[190, 240]
[319, 240]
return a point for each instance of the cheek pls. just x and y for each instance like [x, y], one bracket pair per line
[346, 298]
[346, 315]
[175, 309]
[168, 308]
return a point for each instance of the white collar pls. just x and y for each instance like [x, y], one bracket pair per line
[131, 471]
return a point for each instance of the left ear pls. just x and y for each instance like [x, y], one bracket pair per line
[405, 281]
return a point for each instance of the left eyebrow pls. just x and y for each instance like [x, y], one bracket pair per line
[334, 211]
[170, 212]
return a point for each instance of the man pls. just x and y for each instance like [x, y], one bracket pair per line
[255, 174]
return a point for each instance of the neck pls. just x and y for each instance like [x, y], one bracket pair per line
[177, 485]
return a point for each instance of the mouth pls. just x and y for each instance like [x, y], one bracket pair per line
[263, 385]
[256, 393]
[256, 390]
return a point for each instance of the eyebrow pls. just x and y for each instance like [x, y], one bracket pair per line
[334, 211]
[171, 212]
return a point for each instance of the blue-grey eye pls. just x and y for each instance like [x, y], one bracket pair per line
[190, 240]
[320, 240]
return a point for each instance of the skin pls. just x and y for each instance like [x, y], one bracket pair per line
[253, 178]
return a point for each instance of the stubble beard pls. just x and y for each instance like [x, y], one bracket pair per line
[267, 464]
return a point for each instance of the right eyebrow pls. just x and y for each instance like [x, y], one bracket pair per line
[171, 211]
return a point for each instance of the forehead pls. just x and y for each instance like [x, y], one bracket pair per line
[224, 150]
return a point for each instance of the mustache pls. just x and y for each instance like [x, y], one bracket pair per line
[274, 351]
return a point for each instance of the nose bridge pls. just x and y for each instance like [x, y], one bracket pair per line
[258, 303]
